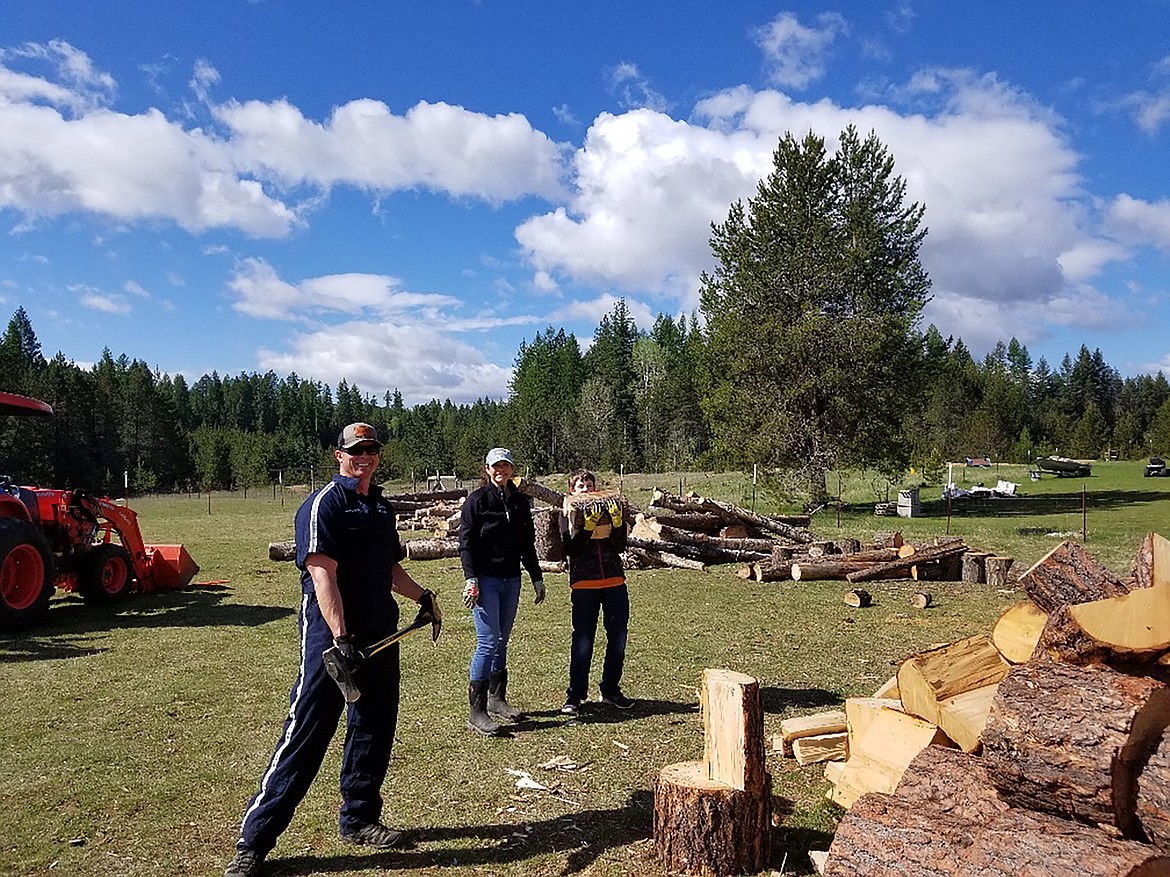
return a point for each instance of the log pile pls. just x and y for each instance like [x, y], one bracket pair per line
[1042, 749]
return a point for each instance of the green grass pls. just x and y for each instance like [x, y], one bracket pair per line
[132, 736]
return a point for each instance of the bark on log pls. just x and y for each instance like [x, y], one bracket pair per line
[1153, 795]
[847, 545]
[951, 782]
[553, 566]
[430, 549]
[997, 571]
[1069, 574]
[549, 545]
[974, 572]
[538, 491]
[732, 513]
[921, 599]
[282, 551]
[902, 564]
[706, 553]
[820, 570]
[858, 598]
[1152, 564]
[665, 558]
[651, 528]
[702, 826]
[1070, 740]
[1131, 628]
[696, 521]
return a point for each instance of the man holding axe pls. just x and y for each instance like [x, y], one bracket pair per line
[350, 557]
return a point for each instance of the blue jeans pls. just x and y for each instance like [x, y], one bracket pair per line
[494, 614]
[614, 603]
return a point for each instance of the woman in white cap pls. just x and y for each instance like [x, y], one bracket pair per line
[496, 536]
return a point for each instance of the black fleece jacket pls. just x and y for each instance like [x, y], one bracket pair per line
[496, 534]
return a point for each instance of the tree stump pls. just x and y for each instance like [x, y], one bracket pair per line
[973, 571]
[996, 571]
[703, 826]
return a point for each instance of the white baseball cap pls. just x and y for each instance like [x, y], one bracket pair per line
[499, 455]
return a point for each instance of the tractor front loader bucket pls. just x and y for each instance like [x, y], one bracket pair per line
[171, 568]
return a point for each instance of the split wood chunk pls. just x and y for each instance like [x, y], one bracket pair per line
[733, 723]
[1070, 740]
[937, 686]
[818, 858]
[879, 757]
[951, 782]
[1069, 574]
[1018, 630]
[1024, 843]
[1131, 628]
[1153, 795]
[858, 598]
[861, 711]
[702, 826]
[1151, 566]
[576, 505]
[921, 600]
[881, 836]
[833, 771]
[821, 747]
[889, 688]
[827, 722]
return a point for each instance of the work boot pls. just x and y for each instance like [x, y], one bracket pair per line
[246, 863]
[497, 703]
[478, 719]
[373, 834]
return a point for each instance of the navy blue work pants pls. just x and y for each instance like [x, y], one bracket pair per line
[315, 705]
[614, 606]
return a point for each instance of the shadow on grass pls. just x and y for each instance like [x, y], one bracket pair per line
[582, 836]
[70, 622]
[777, 700]
[1042, 504]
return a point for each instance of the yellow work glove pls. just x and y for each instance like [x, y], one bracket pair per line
[593, 517]
[615, 512]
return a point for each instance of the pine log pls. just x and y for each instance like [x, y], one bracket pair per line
[702, 826]
[858, 598]
[880, 755]
[903, 564]
[766, 572]
[821, 747]
[781, 554]
[1151, 566]
[733, 729]
[1132, 628]
[1153, 795]
[651, 528]
[1069, 574]
[820, 570]
[974, 571]
[553, 566]
[921, 599]
[430, 549]
[734, 513]
[952, 782]
[705, 553]
[665, 558]
[697, 521]
[1023, 843]
[549, 544]
[881, 836]
[1018, 630]
[1070, 740]
[547, 495]
[997, 569]
[887, 540]
[282, 551]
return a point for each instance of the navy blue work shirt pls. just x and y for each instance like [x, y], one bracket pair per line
[356, 530]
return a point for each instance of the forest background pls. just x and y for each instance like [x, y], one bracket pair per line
[805, 356]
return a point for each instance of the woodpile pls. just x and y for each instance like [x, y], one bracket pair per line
[1041, 749]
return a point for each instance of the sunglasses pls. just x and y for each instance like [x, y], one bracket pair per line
[363, 449]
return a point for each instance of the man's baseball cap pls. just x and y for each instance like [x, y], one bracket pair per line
[356, 434]
[499, 455]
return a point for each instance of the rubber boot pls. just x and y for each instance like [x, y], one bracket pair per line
[478, 719]
[497, 703]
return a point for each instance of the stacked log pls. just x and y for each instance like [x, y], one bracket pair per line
[1069, 771]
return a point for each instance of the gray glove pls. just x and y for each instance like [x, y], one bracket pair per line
[538, 587]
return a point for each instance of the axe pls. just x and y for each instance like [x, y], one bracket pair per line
[341, 671]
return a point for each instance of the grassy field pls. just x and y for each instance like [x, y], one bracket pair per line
[133, 736]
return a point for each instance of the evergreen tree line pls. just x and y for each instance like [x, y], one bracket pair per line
[633, 399]
[806, 355]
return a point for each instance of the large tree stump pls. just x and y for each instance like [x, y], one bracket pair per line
[703, 826]
[973, 567]
[1069, 574]
[715, 816]
[1070, 740]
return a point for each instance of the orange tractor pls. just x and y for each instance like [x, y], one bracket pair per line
[66, 539]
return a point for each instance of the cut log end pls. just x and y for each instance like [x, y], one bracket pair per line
[858, 599]
[921, 600]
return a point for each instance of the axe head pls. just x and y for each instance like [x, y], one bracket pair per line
[340, 671]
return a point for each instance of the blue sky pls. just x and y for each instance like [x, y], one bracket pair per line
[397, 193]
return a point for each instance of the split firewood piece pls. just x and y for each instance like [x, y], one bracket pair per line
[1018, 630]
[1069, 574]
[948, 686]
[576, 505]
[861, 711]
[858, 598]
[1070, 740]
[795, 727]
[833, 771]
[902, 564]
[952, 782]
[881, 836]
[889, 688]
[880, 755]
[1131, 628]
[821, 747]
[733, 729]
[1151, 566]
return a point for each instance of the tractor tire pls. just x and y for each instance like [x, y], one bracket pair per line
[26, 574]
[105, 574]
